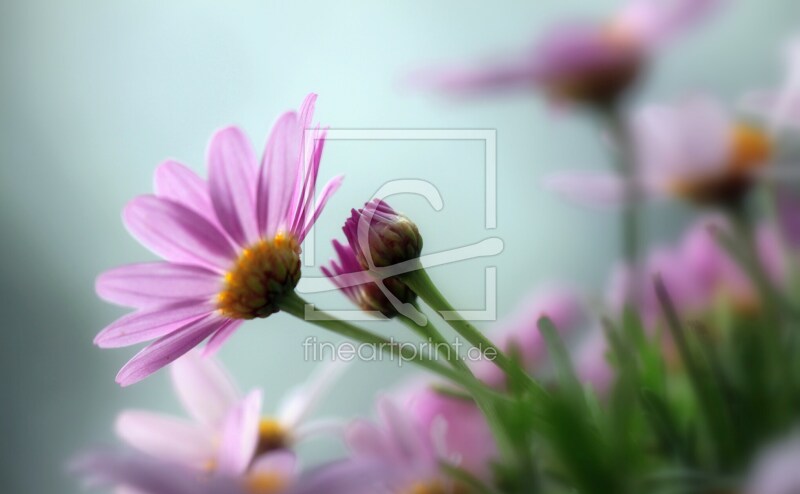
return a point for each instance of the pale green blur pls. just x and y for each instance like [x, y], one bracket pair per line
[95, 93]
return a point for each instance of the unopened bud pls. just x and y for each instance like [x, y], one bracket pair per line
[366, 293]
[381, 237]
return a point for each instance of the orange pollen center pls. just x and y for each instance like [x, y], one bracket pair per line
[432, 487]
[271, 436]
[751, 148]
[265, 483]
[264, 272]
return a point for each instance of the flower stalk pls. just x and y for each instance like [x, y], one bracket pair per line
[419, 281]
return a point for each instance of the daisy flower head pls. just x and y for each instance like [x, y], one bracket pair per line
[275, 473]
[228, 434]
[230, 244]
[459, 428]
[693, 150]
[699, 151]
[588, 62]
[412, 451]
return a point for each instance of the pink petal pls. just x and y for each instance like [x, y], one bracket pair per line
[150, 323]
[156, 283]
[177, 233]
[281, 463]
[326, 193]
[176, 182]
[220, 337]
[654, 22]
[365, 439]
[307, 177]
[278, 173]
[410, 442]
[165, 437]
[240, 435]
[302, 400]
[204, 388]
[588, 189]
[168, 348]
[518, 72]
[232, 177]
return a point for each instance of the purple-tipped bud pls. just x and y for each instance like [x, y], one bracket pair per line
[381, 237]
[359, 287]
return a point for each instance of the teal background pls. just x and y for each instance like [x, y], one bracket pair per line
[95, 94]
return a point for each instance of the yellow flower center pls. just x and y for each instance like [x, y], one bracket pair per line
[263, 273]
[271, 436]
[430, 487]
[750, 149]
[265, 483]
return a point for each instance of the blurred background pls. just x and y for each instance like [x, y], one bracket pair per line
[94, 94]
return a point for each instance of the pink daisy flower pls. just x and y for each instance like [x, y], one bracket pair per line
[457, 423]
[591, 62]
[228, 435]
[774, 470]
[231, 245]
[275, 473]
[694, 149]
[411, 450]
[698, 272]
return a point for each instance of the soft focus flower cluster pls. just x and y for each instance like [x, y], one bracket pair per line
[680, 376]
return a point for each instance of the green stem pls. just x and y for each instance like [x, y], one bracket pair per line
[777, 310]
[484, 401]
[629, 217]
[712, 413]
[751, 263]
[434, 336]
[419, 281]
[295, 305]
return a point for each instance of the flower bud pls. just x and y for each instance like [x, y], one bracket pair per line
[367, 295]
[381, 237]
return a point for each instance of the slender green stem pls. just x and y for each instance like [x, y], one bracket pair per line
[475, 484]
[629, 217]
[750, 260]
[709, 406]
[295, 305]
[434, 336]
[419, 281]
[777, 310]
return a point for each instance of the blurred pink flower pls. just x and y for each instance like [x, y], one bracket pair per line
[465, 436]
[694, 149]
[591, 363]
[698, 272]
[774, 470]
[586, 61]
[231, 244]
[519, 333]
[274, 473]
[780, 108]
[227, 434]
[413, 451]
